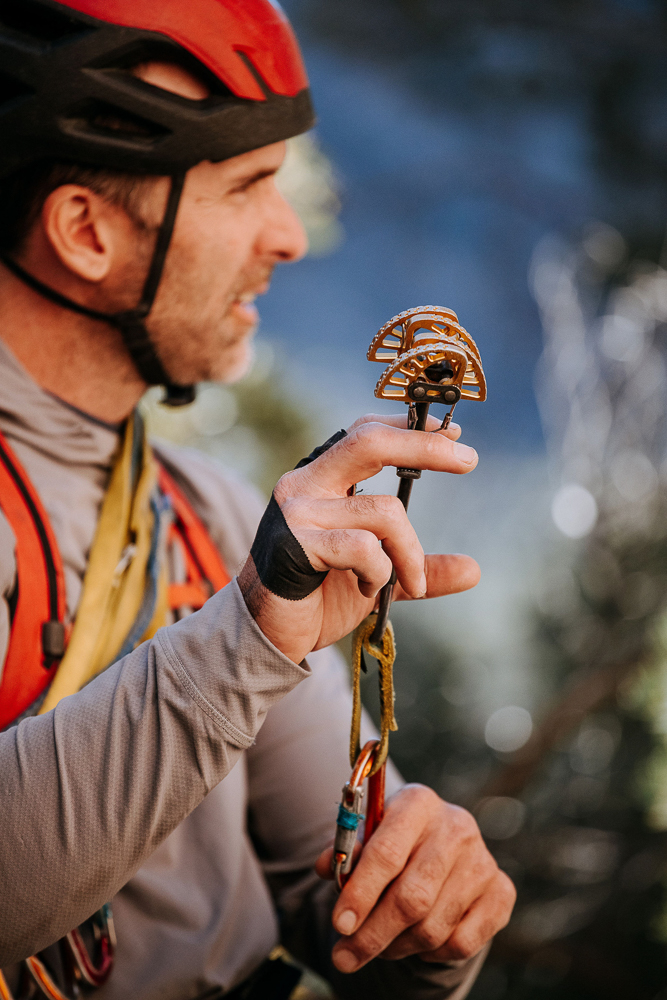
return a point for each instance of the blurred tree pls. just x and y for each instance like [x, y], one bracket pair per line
[589, 853]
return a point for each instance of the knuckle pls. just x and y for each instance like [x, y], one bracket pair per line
[482, 866]
[428, 937]
[284, 487]
[361, 437]
[414, 795]
[451, 913]
[291, 507]
[367, 439]
[387, 853]
[361, 503]
[463, 945]
[413, 900]
[367, 943]
[466, 826]
[425, 803]
[488, 928]
[367, 545]
[434, 444]
[487, 877]
[390, 507]
[367, 418]
[334, 542]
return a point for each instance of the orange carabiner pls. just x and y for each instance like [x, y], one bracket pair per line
[349, 812]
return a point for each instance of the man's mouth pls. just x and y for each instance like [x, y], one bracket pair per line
[243, 306]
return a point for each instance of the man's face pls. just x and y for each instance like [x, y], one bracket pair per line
[232, 228]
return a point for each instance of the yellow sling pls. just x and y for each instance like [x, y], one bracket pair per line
[114, 587]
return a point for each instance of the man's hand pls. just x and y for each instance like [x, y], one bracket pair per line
[342, 534]
[425, 885]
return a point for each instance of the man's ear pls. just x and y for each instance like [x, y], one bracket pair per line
[85, 231]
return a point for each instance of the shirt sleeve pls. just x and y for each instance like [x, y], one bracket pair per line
[90, 789]
[296, 771]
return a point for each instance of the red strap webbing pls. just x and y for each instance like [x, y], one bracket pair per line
[206, 572]
[41, 589]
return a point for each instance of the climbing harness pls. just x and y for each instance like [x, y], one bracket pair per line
[432, 359]
[126, 578]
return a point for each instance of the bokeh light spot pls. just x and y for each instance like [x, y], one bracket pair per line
[507, 729]
[574, 510]
[633, 474]
[500, 817]
[621, 339]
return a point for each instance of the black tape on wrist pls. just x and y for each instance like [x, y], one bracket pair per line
[279, 558]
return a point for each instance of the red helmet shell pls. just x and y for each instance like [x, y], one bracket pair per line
[215, 33]
[67, 92]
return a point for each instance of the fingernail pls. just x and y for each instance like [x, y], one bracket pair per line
[465, 454]
[345, 961]
[422, 587]
[346, 922]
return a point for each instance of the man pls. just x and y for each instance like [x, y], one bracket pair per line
[190, 778]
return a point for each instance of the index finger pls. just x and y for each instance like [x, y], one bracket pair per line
[371, 446]
[401, 420]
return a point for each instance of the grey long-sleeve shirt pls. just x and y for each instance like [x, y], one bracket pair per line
[157, 784]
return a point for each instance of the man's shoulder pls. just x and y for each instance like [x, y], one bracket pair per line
[229, 506]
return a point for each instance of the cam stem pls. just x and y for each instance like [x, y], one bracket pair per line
[404, 492]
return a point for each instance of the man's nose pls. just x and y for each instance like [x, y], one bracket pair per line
[283, 236]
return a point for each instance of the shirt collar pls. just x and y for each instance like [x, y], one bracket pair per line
[46, 423]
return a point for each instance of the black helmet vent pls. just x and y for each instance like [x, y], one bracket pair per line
[10, 90]
[160, 50]
[38, 23]
[96, 118]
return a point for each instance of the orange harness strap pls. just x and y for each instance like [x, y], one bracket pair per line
[206, 572]
[37, 640]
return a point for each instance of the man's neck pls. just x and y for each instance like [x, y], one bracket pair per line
[82, 361]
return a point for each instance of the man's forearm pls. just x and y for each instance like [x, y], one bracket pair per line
[92, 788]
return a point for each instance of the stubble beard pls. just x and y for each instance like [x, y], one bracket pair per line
[195, 347]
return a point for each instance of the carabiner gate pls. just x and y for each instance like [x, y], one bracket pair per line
[350, 815]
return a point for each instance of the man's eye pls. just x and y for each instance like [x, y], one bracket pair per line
[250, 183]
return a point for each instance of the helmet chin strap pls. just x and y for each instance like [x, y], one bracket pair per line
[130, 322]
